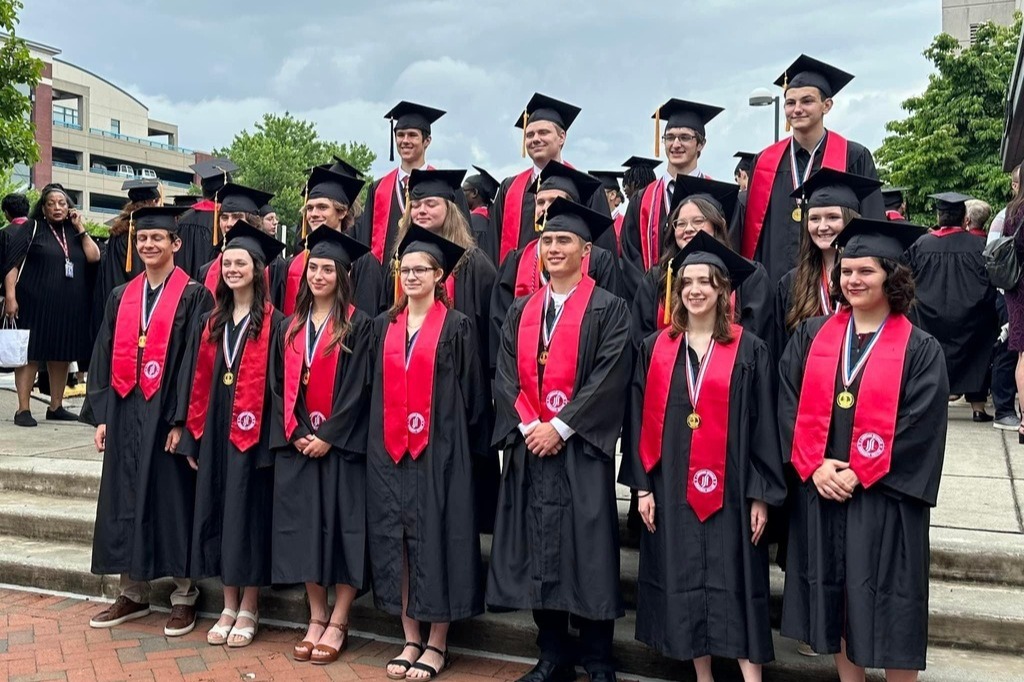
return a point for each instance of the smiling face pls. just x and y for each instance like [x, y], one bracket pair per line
[698, 292]
[689, 221]
[824, 224]
[682, 146]
[236, 268]
[544, 141]
[322, 211]
[805, 108]
[862, 281]
[428, 213]
[419, 275]
[322, 277]
[562, 253]
[412, 145]
[156, 247]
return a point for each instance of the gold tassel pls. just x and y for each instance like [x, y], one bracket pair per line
[657, 132]
[305, 222]
[667, 315]
[131, 247]
[526, 117]
[538, 227]
[397, 264]
[785, 85]
[391, 155]
[160, 189]
[216, 219]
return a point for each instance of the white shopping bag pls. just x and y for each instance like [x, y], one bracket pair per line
[13, 344]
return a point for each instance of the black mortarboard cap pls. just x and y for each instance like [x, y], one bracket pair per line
[142, 190]
[323, 183]
[544, 108]
[435, 183]
[609, 179]
[186, 200]
[893, 197]
[568, 216]
[238, 199]
[721, 195]
[267, 209]
[214, 173]
[810, 72]
[339, 247]
[578, 185]
[704, 249]
[405, 115]
[257, 242]
[865, 237]
[641, 162]
[829, 187]
[484, 183]
[680, 113]
[340, 165]
[945, 201]
[157, 218]
[745, 163]
[419, 240]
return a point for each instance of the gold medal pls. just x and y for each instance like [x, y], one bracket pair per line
[845, 400]
[142, 341]
[797, 214]
[305, 378]
[693, 421]
[229, 378]
[543, 357]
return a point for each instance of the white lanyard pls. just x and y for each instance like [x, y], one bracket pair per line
[810, 161]
[147, 311]
[548, 333]
[311, 347]
[850, 374]
[827, 307]
[695, 380]
[230, 353]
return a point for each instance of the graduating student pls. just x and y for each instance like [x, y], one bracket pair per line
[235, 204]
[853, 389]
[828, 201]
[616, 201]
[955, 301]
[226, 411]
[479, 191]
[199, 238]
[387, 197]
[745, 165]
[320, 377]
[639, 173]
[705, 488]
[429, 420]
[545, 122]
[563, 368]
[147, 495]
[644, 224]
[770, 230]
[330, 198]
[700, 205]
[895, 203]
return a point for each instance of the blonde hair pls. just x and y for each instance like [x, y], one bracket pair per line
[455, 228]
[350, 217]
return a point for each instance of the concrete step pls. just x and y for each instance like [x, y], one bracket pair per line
[962, 616]
[48, 476]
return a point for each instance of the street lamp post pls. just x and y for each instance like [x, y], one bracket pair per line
[762, 97]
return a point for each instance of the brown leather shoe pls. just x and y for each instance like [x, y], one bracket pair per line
[181, 621]
[121, 611]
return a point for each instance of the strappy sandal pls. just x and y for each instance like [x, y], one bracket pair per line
[431, 672]
[402, 662]
[247, 633]
[303, 651]
[218, 634]
[330, 653]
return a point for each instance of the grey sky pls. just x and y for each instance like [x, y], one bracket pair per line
[342, 64]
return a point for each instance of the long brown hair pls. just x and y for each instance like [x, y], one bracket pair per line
[723, 320]
[1014, 208]
[455, 229]
[225, 308]
[804, 301]
[670, 249]
[402, 301]
[339, 313]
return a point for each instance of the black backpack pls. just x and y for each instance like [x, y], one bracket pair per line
[1002, 264]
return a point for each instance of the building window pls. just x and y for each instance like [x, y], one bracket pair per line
[65, 115]
[974, 33]
[115, 126]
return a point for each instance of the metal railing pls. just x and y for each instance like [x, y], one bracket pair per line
[100, 209]
[107, 171]
[60, 123]
[142, 141]
[68, 166]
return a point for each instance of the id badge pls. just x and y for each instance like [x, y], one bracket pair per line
[69, 269]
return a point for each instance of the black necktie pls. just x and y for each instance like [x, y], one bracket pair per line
[549, 316]
[671, 188]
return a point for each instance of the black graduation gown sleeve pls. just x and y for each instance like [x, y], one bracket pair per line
[644, 311]
[495, 217]
[605, 271]
[783, 296]
[502, 296]
[481, 228]
[99, 394]
[367, 284]
[631, 262]
[197, 248]
[757, 304]
[278, 277]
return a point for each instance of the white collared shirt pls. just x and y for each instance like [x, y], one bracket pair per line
[402, 175]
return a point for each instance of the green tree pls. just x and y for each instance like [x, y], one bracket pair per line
[19, 70]
[950, 139]
[276, 155]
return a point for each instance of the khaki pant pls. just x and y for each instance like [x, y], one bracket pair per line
[185, 591]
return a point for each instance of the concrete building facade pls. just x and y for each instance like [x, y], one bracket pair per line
[961, 18]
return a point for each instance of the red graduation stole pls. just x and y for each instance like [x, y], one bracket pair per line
[948, 230]
[874, 419]
[894, 215]
[449, 288]
[650, 219]
[705, 487]
[247, 404]
[296, 269]
[382, 198]
[617, 226]
[481, 211]
[528, 270]
[560, 370]
[205, 205]
[124, 361]
[763, 179]
[407, 412]
[512, 217]
[322, 375]
[213, 275]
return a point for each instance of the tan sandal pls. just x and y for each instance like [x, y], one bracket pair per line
[303, 651]
[218, 634]
[330, 653]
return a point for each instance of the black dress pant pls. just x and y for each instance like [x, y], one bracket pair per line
[594, 650]
[1004, 364]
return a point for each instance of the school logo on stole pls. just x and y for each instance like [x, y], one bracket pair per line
[705, 480]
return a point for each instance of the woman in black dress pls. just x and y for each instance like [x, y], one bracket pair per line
[227, 418]
[320, 376]
[47, 290]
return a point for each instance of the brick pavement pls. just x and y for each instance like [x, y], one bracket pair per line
[44, 637]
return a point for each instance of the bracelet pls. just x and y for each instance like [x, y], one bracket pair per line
[646, 494]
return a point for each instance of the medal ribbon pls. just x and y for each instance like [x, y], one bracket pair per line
[850, 374]
[313, 340]
[147, 313]
[827, 307]
[231, 353]
[695, 380]
[810, 161]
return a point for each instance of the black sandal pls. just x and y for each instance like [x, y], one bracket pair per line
[402, 662]
[431, 672]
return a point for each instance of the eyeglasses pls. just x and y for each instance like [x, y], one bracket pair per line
[697, 224]
[417, 272]
[685, 138]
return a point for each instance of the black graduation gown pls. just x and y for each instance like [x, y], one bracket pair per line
[146, 499]
[319, 527]
[197, 248]
[632, 260]
[366, 277]
[429, 501]
[278, 275]
[756, 298]
[111, 275]
[783, 296]
[481, 228]
[528, 233]
[556, 538]
[956, 303]
[234, 490]
[779, 242]
[603, 271]
[868, 557]
[703, 587]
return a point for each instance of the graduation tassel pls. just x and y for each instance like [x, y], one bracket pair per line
[396, 265]
[392, 155]
[216, 219]
[785, 84]
[667, 315]
[162, 198]
[526, 117]
[657, 132]
[539, 227]
[131, 247]
[305, 222]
